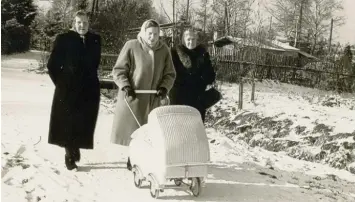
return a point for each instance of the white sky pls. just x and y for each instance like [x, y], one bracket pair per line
[343, 34]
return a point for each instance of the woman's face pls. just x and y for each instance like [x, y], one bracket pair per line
[190, 40]
[152, 35]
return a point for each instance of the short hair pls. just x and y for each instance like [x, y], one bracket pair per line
[81, 13]
[190, 31]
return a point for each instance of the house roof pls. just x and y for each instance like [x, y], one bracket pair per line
[265, 44]
[164, 26]
[285, 46]
[244, 42]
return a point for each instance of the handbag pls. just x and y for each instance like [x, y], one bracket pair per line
[210, 97]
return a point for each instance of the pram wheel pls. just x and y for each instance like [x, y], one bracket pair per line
[195, 186]
[137, 180]
[153, 186]
[178, 182]
[153, 191]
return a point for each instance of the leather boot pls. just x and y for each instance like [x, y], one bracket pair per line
[70, 163]
[76, 154]
[70, 159]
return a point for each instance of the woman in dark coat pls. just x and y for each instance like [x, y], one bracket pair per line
[73, 66]
[194, 72]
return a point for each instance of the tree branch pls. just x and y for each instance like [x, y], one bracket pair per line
[162, 7]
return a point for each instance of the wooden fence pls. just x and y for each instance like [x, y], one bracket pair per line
[231, 65]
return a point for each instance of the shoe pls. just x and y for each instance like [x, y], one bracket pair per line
[70, 163]
[129, 166]
[76, 155]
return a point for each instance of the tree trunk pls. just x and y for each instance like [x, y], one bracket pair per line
[314, 44]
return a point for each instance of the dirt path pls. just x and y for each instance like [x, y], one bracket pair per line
[38, 173]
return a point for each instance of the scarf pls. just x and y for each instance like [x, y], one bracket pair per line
[143, 42]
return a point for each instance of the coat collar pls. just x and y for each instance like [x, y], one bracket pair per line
[76, 34]
[186, 54]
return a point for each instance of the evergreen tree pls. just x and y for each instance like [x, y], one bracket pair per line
[24, 11]
[16, 18]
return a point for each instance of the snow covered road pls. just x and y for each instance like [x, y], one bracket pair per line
[37, 172]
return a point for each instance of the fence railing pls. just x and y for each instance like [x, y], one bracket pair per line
[233, 64]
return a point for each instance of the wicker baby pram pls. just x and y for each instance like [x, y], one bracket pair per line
[172, 146]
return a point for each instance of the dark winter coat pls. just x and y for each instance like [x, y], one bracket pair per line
[73, 66]
[194, 72]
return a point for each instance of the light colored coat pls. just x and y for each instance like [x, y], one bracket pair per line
[142, 68]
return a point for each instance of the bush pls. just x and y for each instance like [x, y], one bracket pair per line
[15, 37]
[16, 17]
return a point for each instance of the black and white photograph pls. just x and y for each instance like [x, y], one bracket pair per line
[177, 100]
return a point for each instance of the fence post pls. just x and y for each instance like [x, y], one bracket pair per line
[240, 103]
[253, 86]
[253, 91]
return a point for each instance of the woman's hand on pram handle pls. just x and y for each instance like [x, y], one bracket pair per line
[162, 92]
[129, 92]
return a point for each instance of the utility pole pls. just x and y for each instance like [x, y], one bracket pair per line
[173, 11]
[174, 26]
[187, 10]
[270, 27]
[226, 21]
[93, 7]
[300, 21]
[205, 17]
[330, 37]
[296, 34]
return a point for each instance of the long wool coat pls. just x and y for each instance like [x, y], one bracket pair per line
[141, 68]
[194, 72]
[72, 66]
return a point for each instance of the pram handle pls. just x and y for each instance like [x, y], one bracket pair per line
[143, 92]
[146, 91]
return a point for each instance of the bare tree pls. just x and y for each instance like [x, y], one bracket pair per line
[166, 14]
[319, 19]
[63, 8]
[202, 15]
[236, 16]
[306, 20]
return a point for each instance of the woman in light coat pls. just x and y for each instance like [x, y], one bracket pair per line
[143, 64]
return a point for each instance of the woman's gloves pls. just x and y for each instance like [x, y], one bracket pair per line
[162, 92]
[129, 92]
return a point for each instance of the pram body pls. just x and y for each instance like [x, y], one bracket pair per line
[173, 145]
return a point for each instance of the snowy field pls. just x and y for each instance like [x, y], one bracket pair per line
[238, 172]
[304, 123]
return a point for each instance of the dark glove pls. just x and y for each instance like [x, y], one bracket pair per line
[129, 92]
[162, 92]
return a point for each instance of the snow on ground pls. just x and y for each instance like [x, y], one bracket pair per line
[36, 172]
[306, 123]
[304, 106]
